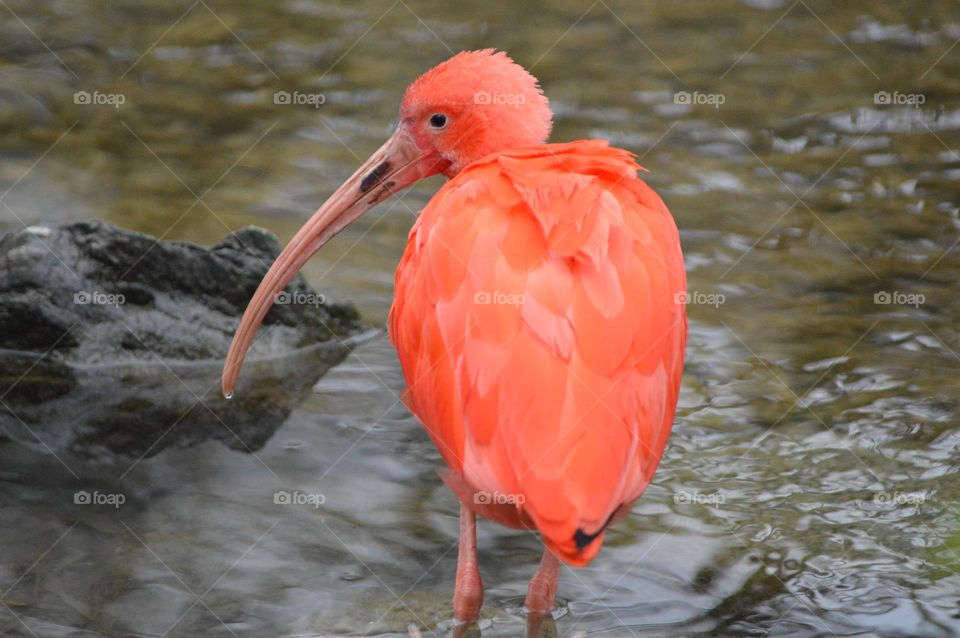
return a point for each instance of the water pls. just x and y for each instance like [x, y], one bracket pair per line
[809, 488]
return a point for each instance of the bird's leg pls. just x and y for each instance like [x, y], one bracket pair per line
[468, 591]
[543, 585]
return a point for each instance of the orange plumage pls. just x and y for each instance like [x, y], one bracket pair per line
[538, 331]
[538, 311]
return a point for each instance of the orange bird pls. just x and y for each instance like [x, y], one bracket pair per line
[538, 313]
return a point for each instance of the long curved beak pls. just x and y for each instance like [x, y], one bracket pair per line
[393, 167]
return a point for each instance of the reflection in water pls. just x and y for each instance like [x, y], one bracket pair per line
[123, 412]
[113, 342]
[810, 486]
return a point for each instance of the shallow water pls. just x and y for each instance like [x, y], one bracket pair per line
[810, 485]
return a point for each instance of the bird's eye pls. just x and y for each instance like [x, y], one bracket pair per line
[438, 120]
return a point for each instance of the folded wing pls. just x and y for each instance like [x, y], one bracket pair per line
[541, 330]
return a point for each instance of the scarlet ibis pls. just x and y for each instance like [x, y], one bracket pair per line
[538, 314]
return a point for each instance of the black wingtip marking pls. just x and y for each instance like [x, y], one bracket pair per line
[582, 539]
[373, 178]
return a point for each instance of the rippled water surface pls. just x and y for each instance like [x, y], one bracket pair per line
[810, 152]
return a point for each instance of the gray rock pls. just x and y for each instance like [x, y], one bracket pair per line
[112, 342]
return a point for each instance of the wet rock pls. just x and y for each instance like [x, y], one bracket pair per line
[112, 342]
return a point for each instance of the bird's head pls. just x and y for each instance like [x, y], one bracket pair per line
[474, 104]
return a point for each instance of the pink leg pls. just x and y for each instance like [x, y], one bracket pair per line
[543, 585]
[468, 592]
